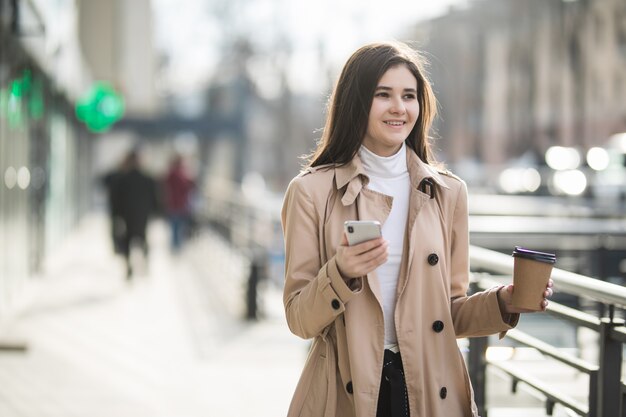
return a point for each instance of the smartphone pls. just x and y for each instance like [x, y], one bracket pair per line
[359, 231]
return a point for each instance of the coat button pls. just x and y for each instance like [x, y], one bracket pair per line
[443, 393]
[336, 304]
[349, 387]
[433, 259]
[438, 326]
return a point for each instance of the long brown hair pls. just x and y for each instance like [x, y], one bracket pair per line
[350, 102]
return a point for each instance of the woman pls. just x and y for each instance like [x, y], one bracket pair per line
[384, 314]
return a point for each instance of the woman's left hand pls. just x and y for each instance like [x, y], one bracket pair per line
[505, 297]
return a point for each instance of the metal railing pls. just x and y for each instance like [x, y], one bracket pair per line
[250, 221]
[606, 392]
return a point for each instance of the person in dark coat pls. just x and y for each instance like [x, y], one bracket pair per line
[108, 180]
[135, 199]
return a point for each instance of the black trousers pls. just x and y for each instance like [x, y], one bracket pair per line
[393, 398]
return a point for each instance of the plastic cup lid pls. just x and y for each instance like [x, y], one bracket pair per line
[520, 252]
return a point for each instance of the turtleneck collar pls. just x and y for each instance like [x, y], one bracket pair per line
[384, 166]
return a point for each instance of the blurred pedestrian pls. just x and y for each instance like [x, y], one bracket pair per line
[384, 314]
[134, 196]
[178, 188]
[116, 223]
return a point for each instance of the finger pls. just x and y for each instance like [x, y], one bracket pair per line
[374, 258]
[376, 262]
[344, 239]
[544, 304]
[372, 253]
[368, 245]
[550, 283]
[382, 258]
[548, 293]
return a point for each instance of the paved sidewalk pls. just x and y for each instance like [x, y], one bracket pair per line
[169, 344]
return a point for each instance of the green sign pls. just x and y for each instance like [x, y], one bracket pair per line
[100, 108]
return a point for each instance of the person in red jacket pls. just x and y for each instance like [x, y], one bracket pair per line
[178, 187]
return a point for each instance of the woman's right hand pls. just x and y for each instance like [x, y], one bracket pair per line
[359, 260]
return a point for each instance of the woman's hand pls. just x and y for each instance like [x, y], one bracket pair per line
[359, 260]
[505, 296]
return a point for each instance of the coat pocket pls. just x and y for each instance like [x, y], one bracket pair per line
[316, 392]
[469, 389]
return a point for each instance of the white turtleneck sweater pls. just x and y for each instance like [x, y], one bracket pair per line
[390, 176]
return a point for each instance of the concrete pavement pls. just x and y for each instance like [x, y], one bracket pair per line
[163, 345]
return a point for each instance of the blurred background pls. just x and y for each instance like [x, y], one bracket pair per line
[217, 100]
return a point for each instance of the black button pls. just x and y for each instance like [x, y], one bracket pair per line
[438, 326]
[349, 387]
[443, 393]
[336, 304]
[433, 259]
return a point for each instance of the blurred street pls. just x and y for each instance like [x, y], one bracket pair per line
[171, 343]
[198, 114]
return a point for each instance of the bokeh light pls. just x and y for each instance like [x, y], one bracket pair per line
[10, 178]
[23, 178]
[598, 158]
[562, 158]
[520, 180]
[571, 182]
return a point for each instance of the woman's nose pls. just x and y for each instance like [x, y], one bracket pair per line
[397, 106]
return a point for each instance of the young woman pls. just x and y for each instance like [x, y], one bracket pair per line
[384, 314]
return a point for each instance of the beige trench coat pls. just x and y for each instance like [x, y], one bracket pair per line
[341, 376]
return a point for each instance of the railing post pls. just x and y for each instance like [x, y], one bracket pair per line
[593, 394]
[257, 271]
[610, 369]
[623, 399]
[477, 367]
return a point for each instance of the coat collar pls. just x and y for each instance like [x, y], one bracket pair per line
[353, 174]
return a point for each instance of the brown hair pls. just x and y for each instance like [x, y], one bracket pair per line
[350, 102]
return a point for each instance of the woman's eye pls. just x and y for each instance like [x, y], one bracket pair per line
[409, 96]
[382, 94]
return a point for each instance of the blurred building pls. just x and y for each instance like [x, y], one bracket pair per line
[514, 77]
[116, 39]
[50, 55]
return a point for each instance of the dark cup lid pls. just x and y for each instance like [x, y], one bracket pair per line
[520, 252]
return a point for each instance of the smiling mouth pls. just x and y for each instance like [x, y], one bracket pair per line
[395, 123]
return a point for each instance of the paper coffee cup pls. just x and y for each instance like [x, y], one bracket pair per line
[531, 273]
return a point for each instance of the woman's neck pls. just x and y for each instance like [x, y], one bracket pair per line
[384, 166]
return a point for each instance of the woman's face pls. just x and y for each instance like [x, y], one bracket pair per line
[394, 111]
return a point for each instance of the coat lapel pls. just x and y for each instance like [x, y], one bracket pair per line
[418, 171]
[373, 206]
[370, 205]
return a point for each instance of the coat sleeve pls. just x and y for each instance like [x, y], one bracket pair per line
[478, 314]
[314, 294]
